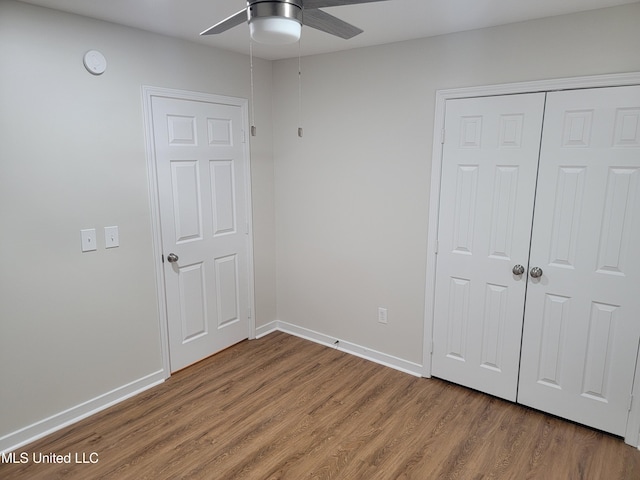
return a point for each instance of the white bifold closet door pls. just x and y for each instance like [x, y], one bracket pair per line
[574, 176]
[582, 316]
[490, 161]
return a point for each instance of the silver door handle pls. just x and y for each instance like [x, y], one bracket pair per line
[535, 272]
[172, 258]
[518, 269]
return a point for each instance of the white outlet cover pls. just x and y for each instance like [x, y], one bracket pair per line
[88, 239]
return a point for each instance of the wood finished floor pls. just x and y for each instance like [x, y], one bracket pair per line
[285, 408]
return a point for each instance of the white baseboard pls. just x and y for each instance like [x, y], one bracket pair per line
[42, 428]
[342, 345]
[267, 329]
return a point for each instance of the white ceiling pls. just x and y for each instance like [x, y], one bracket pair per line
[382, 22]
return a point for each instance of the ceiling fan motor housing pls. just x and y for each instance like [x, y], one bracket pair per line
[291, 9]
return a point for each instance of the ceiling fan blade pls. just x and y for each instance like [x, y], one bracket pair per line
[328, 23]
[334, 3]
[227, 23]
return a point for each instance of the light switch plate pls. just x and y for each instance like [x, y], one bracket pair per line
[88, 237]
[111, 237]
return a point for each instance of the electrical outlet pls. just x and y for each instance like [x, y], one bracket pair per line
[382, 315]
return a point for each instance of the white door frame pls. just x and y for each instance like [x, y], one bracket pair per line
[148, 92]
[632, 436]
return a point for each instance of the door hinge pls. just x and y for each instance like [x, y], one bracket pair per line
[630, 402]
[442, 136]
[431, 348]
[437, 246]
[244, 136]
[249, 312]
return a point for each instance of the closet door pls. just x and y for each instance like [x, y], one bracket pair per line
[582, 320]
[490, 160]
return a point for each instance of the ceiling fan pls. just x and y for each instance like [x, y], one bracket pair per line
[280, 21]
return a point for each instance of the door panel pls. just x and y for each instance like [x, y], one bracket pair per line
[488, 185]
[186, 195]
[581, 330]
[223, 188]
[193, 302]
[202, 172]
[227, 289]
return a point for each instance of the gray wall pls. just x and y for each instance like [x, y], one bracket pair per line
[352, 196]
[75, 326]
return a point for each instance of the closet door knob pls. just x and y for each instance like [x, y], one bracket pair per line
[518, 269]
[535, 272]
[172, 258]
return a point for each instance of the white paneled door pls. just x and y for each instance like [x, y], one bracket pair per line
[202, 172]
[582, 322]
[488, 185]
[559, 196]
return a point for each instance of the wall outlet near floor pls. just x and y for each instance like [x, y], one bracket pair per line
[382, 315]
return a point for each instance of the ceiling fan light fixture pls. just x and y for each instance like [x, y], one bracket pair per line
[275, 30]
[280, 21]
[275, 22]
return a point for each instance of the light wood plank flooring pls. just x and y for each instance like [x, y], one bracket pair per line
[285, 408]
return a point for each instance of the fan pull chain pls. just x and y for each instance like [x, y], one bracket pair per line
[300, 131]
[253, 109]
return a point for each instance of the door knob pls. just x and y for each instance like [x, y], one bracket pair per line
[535, 272]
[518, 269]
[172, 258]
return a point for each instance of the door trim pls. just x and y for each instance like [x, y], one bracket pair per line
[572, 83]
[148, 92]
